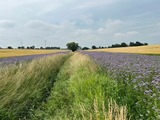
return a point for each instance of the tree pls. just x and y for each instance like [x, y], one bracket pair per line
[72, 46]
[145, 43]
[94, 47]
[9, 47]
[124, 44]
[21, 47]
[32, 47]
[131, 44]
[85, 48]
[138, 43]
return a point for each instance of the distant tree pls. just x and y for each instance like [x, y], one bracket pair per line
[145, 43]
[131, 44]
[32, 47]
[9, 47]
[0, 48]
[21, 47]
[28, 47]
[138, 43]
[115, 45]
[124, 44]
[53, 48]
[41, 48]
[72, 46]
[94, 47]
[100, 47]
[85, 48]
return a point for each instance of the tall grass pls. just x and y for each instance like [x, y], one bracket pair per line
[25, 86]
[82, 91]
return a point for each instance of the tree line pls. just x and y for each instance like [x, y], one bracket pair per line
[32, 47]
[123, 44]
[74, 46]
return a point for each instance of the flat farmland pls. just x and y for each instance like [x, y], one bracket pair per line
[15, 52]
[152, 49]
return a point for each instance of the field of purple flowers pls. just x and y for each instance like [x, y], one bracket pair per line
[18, 59]
[140, 75]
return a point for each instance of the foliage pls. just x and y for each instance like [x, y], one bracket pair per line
[31, 47]
[85, 48]
[123, 44]
[94, 47]
[137, 44]
[23, 87]
[21, 47]
[72, 46]
[139, 78]
[9, 47]
[99, 86]
[82, 91]
[52, 48]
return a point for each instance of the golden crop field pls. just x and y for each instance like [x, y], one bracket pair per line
[151, 49]
[17, 52]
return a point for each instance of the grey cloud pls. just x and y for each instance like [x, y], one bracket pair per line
[86, 19]
[126, 34]
[7, 24]
[94, 3]
[41, 25]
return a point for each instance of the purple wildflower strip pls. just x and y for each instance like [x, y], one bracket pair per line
[18, 59]
[142, 66]
[143, 71]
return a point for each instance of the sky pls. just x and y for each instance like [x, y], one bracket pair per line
[87, 22]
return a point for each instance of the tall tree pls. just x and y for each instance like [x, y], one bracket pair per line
[72, 46]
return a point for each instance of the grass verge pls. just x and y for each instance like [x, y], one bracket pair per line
[25, 86]
[82, 91]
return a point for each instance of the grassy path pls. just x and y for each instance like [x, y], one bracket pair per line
[81, 92]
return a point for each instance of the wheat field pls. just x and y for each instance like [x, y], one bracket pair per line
[16, 52]
[151, 49]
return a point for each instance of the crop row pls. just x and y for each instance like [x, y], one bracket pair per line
[142, 72]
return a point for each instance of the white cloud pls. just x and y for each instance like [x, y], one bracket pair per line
[126, 34]
[7, 24]
[89, 23]
[86, 19]
[119, 35]
[113, 23]
[111, 26]
[38, 24]
[94, 3]
[132, 33]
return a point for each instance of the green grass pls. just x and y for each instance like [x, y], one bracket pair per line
[25, 86]
[66, 87]
[82, 91]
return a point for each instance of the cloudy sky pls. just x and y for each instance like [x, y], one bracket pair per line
[88, 22]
